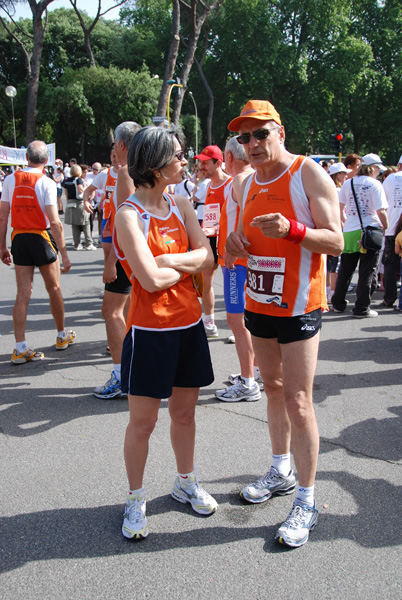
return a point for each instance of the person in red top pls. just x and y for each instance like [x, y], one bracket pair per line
[289, 217]
[211, 159]
[37, 237]
[165, 352]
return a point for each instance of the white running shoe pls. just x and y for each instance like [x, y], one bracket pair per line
[231, 339]
[135, 522]
[295, 531]
[90, 247]
[192, 492]
[211, 330]
[237, 378]
[238, 391]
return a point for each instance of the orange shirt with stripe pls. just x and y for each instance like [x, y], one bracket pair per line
[304, 271]
[176, 307]
[27, 215]
[109, 189]
[217, 195]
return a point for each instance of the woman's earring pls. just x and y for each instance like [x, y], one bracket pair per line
[158, 174]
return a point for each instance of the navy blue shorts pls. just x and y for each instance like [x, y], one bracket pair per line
[34, 249]
[108, 239]
[285, 329]
[154, 362]
[234, 290]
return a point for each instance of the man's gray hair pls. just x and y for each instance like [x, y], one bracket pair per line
[237, 150]
[37, 152]
[125, 132]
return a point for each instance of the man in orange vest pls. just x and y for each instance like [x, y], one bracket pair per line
[37, 237]
[211, 159]
[289, 218]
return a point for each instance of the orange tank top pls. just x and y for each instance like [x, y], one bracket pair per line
[283, 279]
[178, 306]
[26, 211]
[109, 189]
[214, 201]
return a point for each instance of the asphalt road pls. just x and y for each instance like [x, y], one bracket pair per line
[63, 482]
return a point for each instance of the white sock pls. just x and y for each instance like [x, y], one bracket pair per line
[117, 371]
[281, 462]
[209, 319]
[62, 334]
[257, 373]
[135, 492]
[306, 494]
[184, 477]
[248, 381]
[21, 347]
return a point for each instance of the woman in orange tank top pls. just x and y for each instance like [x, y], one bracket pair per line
[165, 353]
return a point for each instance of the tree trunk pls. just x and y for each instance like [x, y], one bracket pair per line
[211, 101]
[197, 21]
[171, 60]
[88, 48]
[34, 70]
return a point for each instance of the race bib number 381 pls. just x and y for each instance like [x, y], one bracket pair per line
[265, 279]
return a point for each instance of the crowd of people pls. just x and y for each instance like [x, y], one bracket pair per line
[287, 233]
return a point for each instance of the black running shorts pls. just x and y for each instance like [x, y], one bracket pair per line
[34, 249]
[285, 329]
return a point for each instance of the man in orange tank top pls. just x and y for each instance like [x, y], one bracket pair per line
[289, 218]
[211, 159]
[37, 236]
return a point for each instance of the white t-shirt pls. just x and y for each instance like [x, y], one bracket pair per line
[200, 196]
[371, 197]
[393, 191]
[181, 190]
[99, 181]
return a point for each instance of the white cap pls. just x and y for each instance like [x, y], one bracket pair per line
[371, 159]
[338, 167]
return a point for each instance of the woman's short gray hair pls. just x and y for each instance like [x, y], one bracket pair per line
[152, 149]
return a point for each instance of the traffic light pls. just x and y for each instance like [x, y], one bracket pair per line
[336, 141]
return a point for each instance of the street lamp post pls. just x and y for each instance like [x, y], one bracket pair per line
[196, 122]
[172, 84]
[11, 92]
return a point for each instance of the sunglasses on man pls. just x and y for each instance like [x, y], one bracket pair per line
[259, 135]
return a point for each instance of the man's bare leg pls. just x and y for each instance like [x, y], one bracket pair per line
[24, 278]
[51, 277]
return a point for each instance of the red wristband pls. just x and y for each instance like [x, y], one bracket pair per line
[296, 233]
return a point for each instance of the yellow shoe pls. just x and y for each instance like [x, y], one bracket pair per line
[27, 356]
[69, 339]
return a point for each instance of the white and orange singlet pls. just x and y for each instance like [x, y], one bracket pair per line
[214, 201]
[176, 307]
[283, 279]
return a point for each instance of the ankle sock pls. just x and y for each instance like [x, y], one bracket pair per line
[306, 494]
[209, 319]
[21, 347]
[62, 334]
[248, 381]
[257, 373]
[184, 477]
[281, 462]
[135, 492]
[117, 371]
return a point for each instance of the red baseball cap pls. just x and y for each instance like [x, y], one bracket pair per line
[210, 152]
[261, 110]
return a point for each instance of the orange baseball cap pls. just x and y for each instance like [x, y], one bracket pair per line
[210, 152]
[261, 110]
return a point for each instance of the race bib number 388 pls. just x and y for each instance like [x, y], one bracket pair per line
[265, 278]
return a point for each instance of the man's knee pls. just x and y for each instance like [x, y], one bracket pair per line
[113, 306]
[299, 408]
